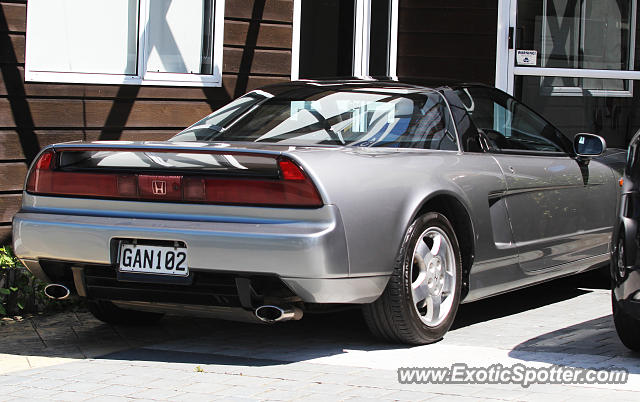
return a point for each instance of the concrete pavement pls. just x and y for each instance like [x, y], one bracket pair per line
[72, 356]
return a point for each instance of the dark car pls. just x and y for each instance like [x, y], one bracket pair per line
[625, 266]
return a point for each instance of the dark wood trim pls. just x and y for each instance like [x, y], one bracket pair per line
[9, 205]
[15, 17]
[10, 148]
[10, 43]
[67, 113]
[451, 40]
[12, 176]
[5, 234]
[274, 10]
[269, 35]
[57, 91]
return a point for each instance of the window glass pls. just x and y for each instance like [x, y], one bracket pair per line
[136, 42]
[213, 123]
[327, 38]
[361, 117]
[586, 34]
[508, 124]
[180, 36]
[590, 34]
[84, 36]
[380, 38]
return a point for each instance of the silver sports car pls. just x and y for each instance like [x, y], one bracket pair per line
[301, 197]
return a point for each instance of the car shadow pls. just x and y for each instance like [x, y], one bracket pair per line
[592, 343]
[189, 340]
[529, 298]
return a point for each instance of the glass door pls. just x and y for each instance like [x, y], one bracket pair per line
[574, 61]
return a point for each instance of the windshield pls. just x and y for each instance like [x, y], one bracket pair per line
[363, 117]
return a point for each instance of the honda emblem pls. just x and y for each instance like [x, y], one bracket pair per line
[159, 187]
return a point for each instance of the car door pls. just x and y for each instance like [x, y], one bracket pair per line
[557, 205]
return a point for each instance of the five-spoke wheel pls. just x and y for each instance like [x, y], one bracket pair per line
[433, 276]
[421, 299]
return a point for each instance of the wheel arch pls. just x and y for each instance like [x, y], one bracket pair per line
[456, 211]
[629, 229]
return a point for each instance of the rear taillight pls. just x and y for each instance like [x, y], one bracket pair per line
[292, 188]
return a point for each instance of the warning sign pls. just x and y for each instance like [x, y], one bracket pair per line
[526, 57]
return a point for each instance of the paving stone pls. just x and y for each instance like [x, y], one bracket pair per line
[236, 399]
[332, 358]
[106, 378]
[70, 396]
[49, 383]
[363, 399]
[246, 380]
[10, 389]
[290, 385]
[287, 374]
[330, 389]
[116, 379]
[105, 398]
[156, 394]
[29, 393]
[119, 390]
[241, 391]
[314, 398]
[284, 394]
[205, 387]
[169, 384]
[410, 396]
[82, 386]
[367, 392]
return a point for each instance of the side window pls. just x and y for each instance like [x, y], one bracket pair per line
[433, 127]
[508, 125]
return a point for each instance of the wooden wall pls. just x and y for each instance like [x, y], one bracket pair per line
[257, 51]
[448, 39]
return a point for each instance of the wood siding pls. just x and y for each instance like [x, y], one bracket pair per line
[444, 39]
[257, 52]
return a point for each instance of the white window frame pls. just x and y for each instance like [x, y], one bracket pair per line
[142, 77]
[578, 91]
[361, 40]
[506, 69]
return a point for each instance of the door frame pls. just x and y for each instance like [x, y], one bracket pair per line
[506, 70]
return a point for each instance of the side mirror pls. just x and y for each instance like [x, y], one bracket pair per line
[588, 145]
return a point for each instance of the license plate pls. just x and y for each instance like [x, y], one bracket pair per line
[153, 259]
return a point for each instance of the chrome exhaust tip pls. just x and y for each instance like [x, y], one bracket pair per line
[272, 314]
[57, 291]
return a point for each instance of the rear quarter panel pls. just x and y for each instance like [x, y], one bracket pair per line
[379, 193]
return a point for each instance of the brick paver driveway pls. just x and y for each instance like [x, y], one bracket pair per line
[71, 356]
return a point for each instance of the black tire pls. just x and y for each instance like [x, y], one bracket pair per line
[108, 312]
[393, 317]
[627, 327]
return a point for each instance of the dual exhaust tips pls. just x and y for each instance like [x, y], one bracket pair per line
[266, 313]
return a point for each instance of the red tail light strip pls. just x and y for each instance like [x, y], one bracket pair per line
[294, 188]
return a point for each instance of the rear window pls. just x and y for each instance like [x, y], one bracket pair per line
[359, 117]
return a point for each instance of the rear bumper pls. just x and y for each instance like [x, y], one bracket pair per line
[308, 253]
